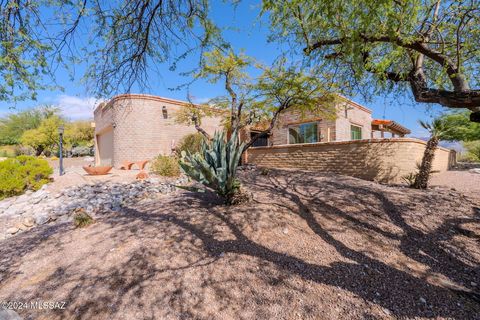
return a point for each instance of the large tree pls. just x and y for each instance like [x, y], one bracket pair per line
[430, 46]
[119, 41]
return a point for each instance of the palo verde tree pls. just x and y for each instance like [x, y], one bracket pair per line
[248, 101]
[118, 40]
[429, 46]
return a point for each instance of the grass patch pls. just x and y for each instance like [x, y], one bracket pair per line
[81, 219]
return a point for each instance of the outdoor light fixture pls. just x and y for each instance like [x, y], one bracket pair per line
[61, 130]
[164, 112]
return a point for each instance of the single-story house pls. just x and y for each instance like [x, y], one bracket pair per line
[134, 127]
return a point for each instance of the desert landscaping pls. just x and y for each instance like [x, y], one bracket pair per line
[308, 246]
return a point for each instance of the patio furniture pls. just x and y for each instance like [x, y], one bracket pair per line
[96, 171]
[127, 165]
[141, 164]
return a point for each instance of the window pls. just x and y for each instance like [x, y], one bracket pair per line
[260, 142]
[303, 133]
[356, 132]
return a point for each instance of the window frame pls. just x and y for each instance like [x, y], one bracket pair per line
[351, 132]
[302, 124]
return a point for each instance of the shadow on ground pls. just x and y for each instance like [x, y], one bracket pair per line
[309, 246]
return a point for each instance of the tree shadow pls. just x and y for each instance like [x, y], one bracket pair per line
[190, 257]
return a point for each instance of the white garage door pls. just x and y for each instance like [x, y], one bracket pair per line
[105, 147]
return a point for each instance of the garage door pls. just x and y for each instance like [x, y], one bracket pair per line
[105, 147]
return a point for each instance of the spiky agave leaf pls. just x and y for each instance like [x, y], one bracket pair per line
[215, 166]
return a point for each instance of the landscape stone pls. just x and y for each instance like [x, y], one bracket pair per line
[12, 230]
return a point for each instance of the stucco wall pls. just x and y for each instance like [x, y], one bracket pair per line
[140, 130]
[385, 160]
[351, 114]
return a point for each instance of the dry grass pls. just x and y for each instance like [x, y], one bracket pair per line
[309, 246]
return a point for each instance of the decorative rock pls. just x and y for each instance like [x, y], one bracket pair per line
[422, 300]
[12, 230]
[41, 218]
[28, 222]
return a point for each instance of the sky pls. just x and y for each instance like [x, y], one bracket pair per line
[250, 35]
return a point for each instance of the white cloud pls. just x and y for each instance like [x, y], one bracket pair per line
[77, 108]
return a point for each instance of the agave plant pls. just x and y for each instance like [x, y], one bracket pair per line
[215, 166]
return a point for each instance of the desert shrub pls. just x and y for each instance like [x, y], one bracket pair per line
[191, 143]
[215, 166]
[473, 150]
[82, 219]
[22, 173]
[410, 178]
[81, 151]
[166, 166]
[20, 150]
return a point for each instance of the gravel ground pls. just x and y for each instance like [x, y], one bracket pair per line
[309, 246]
[464, 180]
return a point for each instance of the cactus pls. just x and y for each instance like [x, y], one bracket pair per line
[215, 166]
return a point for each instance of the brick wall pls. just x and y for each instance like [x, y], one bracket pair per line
[385, 160]
[140, 130]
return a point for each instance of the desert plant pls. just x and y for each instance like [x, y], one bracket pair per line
[215, 166]
[22, 173]
[82, 219]
[190, 143]
[437, 129]
[410, 178]
[166, 166]
[473, 150]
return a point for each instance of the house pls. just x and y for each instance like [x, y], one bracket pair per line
[137, 127]
[134, 127]
[353, 122]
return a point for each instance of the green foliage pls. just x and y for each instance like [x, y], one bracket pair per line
[82, 219]
[45, 137]
[372, 46]
[22, 173]
[460, 127]
[79, 133]
[7, 151]
[166, 166]
[14, 125]
[191, 143]
[410, 179]
[216, 165]
[473, 150]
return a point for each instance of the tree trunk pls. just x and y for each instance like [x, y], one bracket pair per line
[421, 181]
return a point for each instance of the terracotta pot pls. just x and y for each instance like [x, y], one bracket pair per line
[95, 171]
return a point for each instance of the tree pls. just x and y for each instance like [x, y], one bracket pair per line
[249, 101]
[45, 137]
[437, 129]
[473, 150]
[125, 39]
[430, 46]
[460, 127]
[14, 125]
[79, 133]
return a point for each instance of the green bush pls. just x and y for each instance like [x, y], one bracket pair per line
[166, 166]
[82, 219]
[22, 173]
[191, 143]
[473, 150]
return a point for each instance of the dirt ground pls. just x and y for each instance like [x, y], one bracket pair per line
[309, 246]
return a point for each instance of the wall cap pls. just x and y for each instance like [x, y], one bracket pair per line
[333, 143]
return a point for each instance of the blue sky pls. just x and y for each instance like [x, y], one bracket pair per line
[249, 34]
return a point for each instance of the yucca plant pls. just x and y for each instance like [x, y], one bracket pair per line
[215, 166]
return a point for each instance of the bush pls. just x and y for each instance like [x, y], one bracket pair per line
[81, 151]
[473, 150]
[22, 173]
[82, 219]
[166, 166]
[20, 150]
[191, 143]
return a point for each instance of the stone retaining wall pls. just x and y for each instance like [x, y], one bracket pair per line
[385, 160]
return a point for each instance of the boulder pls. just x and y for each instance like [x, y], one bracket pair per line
[12, 230]
[29, 222]
[41, 218]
